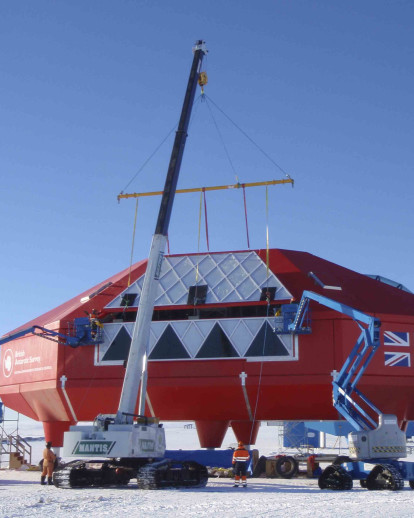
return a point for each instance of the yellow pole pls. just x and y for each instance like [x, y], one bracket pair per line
[214, 188]
[133, 241]
[267, 234]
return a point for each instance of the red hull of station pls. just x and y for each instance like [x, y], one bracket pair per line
[60, 385]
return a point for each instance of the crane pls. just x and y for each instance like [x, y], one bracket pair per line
[128, 445]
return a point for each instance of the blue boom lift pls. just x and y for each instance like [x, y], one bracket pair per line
[377, 442]
[84, 331]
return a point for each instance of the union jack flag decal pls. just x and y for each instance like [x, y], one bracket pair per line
[397, 358]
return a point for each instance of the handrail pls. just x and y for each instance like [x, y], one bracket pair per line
[14, 443]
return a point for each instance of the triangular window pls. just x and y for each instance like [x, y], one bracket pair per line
[119, 348]
[217, 345]
[267, 343]
[168, 347]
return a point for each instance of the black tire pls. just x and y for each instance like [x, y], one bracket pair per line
[286, 467]
[384, 477]
[363, 483]
[336, 478]
[340, 459]
[411, 482]
[260, 467]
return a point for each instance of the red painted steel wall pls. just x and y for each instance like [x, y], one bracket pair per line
[209, 391]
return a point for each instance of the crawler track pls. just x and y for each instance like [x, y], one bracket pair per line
[157, 475]
[168, 473]
[92, 474]
[384, 476]
[336, 478]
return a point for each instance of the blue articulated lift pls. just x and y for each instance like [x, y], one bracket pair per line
[84, 331]
[377, 443]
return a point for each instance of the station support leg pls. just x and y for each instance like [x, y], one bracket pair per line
[211, 433]
[54, 431]
[246, 431]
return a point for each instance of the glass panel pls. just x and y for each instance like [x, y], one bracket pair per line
[168, 347]
[181, 265]
[189, 279]
[236, 276]
[254, 324]
[192, 339]
[248, 290]
[168, 280]
[228, 263]
[205, 264]
[241, 338]
[214, 277]
[259, 274]
[177, 292]
[250, 261]
[221, 272]
[217, 345]
[223, 289]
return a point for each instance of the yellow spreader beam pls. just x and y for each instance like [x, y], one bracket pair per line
[205, 189]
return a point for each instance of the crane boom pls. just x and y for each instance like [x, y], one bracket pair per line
[134, 445]
[136, 372]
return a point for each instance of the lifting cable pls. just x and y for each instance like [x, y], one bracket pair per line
[233, 169]
[200, 214]
[196, 106]
[267, 316]
[203, 191]
[248, 137]
[245, 217]
[148, 159]
[133, 242]
[222, 141]
[205, 219]
[198, 241]
[260, 373]
[267, 234]
[161, 144]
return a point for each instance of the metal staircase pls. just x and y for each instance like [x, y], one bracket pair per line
[15, 451]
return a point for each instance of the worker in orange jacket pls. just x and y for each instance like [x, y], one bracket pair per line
[48, 464]
[95, 324]
[241, 458]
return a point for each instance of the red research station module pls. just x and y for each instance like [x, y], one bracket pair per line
[218, 355]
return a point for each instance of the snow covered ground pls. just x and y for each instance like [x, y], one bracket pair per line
[21, 495]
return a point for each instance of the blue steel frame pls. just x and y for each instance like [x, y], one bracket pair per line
[355, 365]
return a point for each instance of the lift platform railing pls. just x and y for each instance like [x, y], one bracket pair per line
[82, 331]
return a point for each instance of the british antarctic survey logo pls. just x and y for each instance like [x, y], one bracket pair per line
[8, 363]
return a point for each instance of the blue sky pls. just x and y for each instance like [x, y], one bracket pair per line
[90, 89]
